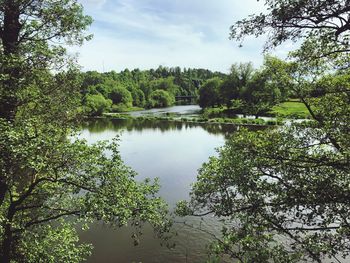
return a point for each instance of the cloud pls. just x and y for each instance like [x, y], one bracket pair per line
[146, 34]
[93, 3]
[117, 54]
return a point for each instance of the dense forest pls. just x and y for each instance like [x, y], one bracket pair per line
[243, 90]
[115, 92]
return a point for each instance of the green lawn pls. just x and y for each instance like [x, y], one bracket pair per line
[291, 109]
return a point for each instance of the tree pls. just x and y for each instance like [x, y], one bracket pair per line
[47, 173]
[236, 81]
[279, 76]
[166, 84]
[120, 95]
[161, 98]
[326, 22]
[97, 104]
[287, 184]
[175, 82]
[284, 191]
[91, 78]
[209, 93]
[263, 88]
[138, 97]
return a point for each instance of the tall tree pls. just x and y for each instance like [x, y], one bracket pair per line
[209, 93]
[326, 21]
[235, 82]
[46, 173]
[285, 191]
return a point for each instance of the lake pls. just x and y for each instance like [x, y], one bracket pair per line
[173, 152]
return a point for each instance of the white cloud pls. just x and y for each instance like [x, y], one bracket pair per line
[145, 34]
[117, 54]
[93, 3]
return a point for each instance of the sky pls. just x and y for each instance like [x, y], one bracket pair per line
[187, 33]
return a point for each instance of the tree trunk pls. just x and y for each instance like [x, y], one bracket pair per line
[11, 28]
[6, 246]
[9, 34]
[3, 190]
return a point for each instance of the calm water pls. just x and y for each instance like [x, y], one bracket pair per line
[173, 152]
[189, 110]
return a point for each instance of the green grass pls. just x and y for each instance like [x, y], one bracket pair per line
[291, 109]
[123, 108]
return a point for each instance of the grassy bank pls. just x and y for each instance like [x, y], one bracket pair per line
[236, 121]
[291, 109]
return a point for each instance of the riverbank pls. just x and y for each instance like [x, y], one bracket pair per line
[221, 115]
[170, 117]
[292, 109]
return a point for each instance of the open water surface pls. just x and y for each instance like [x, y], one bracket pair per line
[173, 152]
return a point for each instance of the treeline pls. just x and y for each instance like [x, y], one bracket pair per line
[247, 90]
[244, 90]
[115, 92]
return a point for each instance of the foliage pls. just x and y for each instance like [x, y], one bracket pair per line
[324, 23]
[92, 78]
[209, 93]
[278, 183]
[176, 81]
[165, 84]
[258, 97]
[244, 89]
[120, 95]
[51, 180]
[284, 192]
[237, 80]
[222, 112]
[46, 245]
[278, 76]
[97, 104]
[161, 98]
[290, 184]
[249, 91]
[138, 98]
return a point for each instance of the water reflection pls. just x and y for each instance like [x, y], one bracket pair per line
[103, 124]
[172, 151]
[180, 110]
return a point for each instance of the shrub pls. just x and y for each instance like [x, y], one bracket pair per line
[95, 105]
[120, 95]
[161, 98]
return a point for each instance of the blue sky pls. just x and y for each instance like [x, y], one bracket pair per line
[187, 33]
